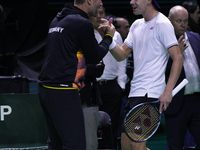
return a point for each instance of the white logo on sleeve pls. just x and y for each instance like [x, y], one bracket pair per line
[56, 29]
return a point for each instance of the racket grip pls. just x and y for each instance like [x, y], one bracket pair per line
[179, 87]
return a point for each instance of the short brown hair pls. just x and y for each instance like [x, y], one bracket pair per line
[190, 6]
[79, 1]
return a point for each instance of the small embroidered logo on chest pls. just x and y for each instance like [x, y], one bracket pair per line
[151, 28]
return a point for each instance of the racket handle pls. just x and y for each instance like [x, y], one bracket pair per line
[179, 87]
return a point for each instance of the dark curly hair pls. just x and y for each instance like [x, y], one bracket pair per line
[79, 1]
[191, 8]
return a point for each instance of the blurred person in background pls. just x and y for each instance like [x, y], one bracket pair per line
[111, 86]
[122, 26]
[194, 15]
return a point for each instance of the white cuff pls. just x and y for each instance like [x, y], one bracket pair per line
[112, 45]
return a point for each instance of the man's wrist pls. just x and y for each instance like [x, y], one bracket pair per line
[109, 35]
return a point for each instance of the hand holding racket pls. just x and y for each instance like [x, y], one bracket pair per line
[164, 106]
[142, 121]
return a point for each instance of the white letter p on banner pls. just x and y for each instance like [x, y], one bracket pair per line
[4, 112]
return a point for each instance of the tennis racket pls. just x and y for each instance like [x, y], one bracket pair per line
[142, 121]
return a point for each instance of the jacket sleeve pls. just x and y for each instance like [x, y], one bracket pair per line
[94, 71]
[93, 51]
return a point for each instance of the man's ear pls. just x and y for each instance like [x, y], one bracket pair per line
[89, 2]
[149, 2]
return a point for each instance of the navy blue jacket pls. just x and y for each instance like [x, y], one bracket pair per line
[174, 106]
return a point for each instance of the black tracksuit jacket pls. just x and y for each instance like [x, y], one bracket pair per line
[69, 32]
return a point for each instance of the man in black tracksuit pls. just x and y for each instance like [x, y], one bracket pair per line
[69, 32]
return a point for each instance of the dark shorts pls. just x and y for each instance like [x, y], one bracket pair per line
[133, 101]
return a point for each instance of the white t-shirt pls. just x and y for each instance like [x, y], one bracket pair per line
[150, 41]
[113, 68]
[97, 36]
[191, 68]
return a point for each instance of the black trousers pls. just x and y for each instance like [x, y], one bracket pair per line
[64, 117]
[111, 95]
[187, 117]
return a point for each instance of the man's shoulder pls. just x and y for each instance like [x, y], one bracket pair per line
[77, 18]
[117, 35]
[161, 18]
[163, 23]
[138, 21]
[192, 33]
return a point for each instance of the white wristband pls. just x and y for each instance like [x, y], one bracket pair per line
[112, 45]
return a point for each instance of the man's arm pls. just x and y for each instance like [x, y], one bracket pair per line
[177, 64]
[120, 53]
[93, 71]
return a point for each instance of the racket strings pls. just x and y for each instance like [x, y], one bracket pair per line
[133, 123]
[153, 123]
[142, 122]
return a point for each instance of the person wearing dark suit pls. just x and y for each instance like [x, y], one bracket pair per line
[184, 111]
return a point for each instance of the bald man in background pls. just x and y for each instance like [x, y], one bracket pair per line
[122, 26]
[183, 112]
